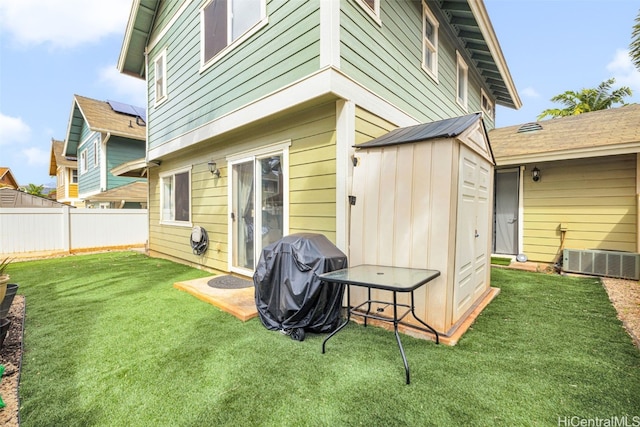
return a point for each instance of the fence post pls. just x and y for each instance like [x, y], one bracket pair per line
[66, 228]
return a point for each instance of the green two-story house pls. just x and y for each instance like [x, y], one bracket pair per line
[100, 136]
[254, 107]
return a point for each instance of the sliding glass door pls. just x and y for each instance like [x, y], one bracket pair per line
[257, 208]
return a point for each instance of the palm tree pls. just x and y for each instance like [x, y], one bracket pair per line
[634, 47]
[35, 190]
[587, 100]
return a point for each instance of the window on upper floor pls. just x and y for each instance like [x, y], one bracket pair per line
[487, 105]
[224, 22]
[74, 176]
[83, 161]
[462, 78]
[160, 77]
[96, 151]
[429, 42]
[175, 197]
[372, 7]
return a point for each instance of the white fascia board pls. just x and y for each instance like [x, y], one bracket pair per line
[582, 153]
[324, 82]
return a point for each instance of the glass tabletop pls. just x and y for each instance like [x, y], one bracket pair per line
[381, 277]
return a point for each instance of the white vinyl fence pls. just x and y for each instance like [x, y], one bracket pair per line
[25, 231]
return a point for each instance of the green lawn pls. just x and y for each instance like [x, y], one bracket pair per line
[110, 342]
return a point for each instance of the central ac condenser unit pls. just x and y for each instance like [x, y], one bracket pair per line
[623, 265]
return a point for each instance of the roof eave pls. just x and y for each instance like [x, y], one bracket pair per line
[572, 154]
[482, 17]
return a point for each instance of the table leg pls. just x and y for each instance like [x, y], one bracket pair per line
[368, 306]
[395, 330]
[422, 321]
[345, 322]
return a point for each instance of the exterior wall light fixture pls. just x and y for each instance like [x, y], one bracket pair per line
[213, 168]
[535, 174]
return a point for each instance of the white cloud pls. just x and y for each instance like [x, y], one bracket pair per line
[13, 130]
[124, 88]
[36, 156]
[624, 71]
[62, 23]
[530, 92]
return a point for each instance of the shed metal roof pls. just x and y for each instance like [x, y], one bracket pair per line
[447, 128]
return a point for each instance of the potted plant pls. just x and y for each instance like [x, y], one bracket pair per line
[4, 277]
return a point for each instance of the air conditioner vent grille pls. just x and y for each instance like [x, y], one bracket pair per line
[624, 265]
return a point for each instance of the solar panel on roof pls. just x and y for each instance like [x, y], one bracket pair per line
[121, 107]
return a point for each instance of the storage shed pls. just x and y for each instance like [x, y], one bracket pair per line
[422, 197]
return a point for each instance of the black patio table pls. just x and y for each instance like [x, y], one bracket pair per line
[393, 279]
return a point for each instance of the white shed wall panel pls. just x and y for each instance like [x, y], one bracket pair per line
[427, 205]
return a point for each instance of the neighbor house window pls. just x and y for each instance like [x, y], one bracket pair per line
[83, 161]
[175, 196]
[74, 176]
[429, 42]
[160, 70]
[227, 21]
[96, 148]
[463, 82]
[487, 105]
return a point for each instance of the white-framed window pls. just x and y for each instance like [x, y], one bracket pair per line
[160, 77]
[486, 104]
[224, 23]
[175, 197]
[372, 7]
[83, 161]
[74, 176]
[429, 42]
[462, 81]
[96, 153]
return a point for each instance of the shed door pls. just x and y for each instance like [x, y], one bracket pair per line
[472, 231]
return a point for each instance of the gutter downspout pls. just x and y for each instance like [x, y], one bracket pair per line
[103, 162]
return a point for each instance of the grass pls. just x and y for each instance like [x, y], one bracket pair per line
[500, 260]
[110, 342]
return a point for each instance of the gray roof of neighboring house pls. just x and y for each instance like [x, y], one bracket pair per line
[446, 128]
[58, 159]
[10, 198]
[598, 133]
[133, 192]
[99, 116]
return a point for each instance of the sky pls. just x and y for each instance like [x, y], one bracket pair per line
[53, 49]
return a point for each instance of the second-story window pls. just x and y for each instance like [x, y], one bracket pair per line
[429, 42]
[462, 82]
[95, 153]
[225, 21]
[372, 7]
[83, 161]
[74, 176]
[160, 77]
[487, 105]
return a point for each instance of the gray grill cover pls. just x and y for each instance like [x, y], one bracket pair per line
[289, 293]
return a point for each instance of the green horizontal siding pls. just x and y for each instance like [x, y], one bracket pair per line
[282, 52]
[387, 59]
[119, 151]
[89, 181]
